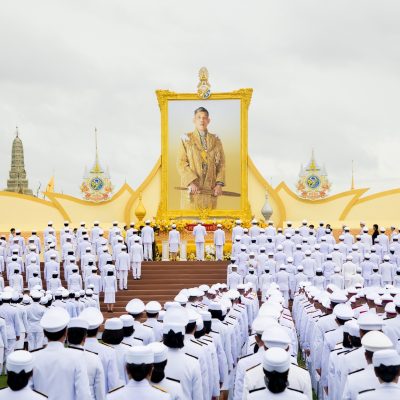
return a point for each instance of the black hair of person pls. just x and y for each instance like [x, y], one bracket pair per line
[55, 336]
[114, 336]
[190, 327]
[128, 331]
[173, 340]
[158, 373]
[151, 315]
[17, 381]
[75, 336]
[276, 382]
[138, 372]
[201, 109]
[355, 341]
[92, 332]
[387, 374]
[199, 334]
[346, 341]
[207, 327]
[217, 314]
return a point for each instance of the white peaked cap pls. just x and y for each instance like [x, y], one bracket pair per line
[388, 358]
[93, 316]
[78, 323]
[135, 306]
[55, 319]
[160, 351]
[276, 359]
[140, 355]
[153, 307]
[18, 361]
[127, 320]
[376, 340]
[113, 324]
[276, 337]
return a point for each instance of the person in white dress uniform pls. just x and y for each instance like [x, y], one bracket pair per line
[387, 369]
[174, 240]
[19, 367]
[276, 364]
[147, 240]
[59, 372]
[219, 242]
[122, 265]
[199, 233]
[137, 258]
[110, 288]
[139, 366]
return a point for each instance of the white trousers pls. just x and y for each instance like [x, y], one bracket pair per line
[19, 345]
[147, 251]
[10, 346]
[219, 252]
[35, 340]
[200, 251]
[137, 269]
[123, 279]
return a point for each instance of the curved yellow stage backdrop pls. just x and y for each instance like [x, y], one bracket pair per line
[28, 213]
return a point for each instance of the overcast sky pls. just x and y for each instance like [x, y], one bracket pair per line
[326, 75]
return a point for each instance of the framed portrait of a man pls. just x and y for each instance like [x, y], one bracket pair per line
[204, 154]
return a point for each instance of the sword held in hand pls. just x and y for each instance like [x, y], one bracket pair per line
[210, 192]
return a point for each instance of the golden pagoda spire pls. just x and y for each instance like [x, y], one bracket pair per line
[313, 166]
[352, 175]
[96, 168]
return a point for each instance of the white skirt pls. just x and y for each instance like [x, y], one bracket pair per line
[109, 297]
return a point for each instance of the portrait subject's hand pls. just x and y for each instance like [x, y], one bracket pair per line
[194, 189]
[217, 190]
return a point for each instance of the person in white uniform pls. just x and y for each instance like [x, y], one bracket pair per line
[110, 288]
[276, 364]
[199, 233]
[136, 258]
[139, 366]
[387, 368]
[19, 368]
[148, 239]
[59, 372]
[219, 242]
[122, 265]
[174, 241]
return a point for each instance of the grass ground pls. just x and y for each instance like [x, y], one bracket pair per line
[3, 381]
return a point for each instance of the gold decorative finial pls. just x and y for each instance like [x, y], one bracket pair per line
[203, 87]
[312, 163]
[140, 211]
[16, 132]
[352, 174]
[96, 164]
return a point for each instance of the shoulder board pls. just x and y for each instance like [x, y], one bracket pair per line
[339, 348]
[248, 369]
[147, 326]
[158, 387]
[256, 390]
[357, 370]
[192, 356]
[231, 316]
[253, 344]
[352, 350]
[75, 348]
[126, 344]
[195, 341]
[93, 352]
[207, 340]
[105, 344]
[36, 391]
[295, 390]
[366, 390]
[174, 380]
[247, 355]
[32, 351]
[343, 352]
[138, 338]
[214, 332]
[229, 323]
[330, 330]
[240, 305]
[114, 390]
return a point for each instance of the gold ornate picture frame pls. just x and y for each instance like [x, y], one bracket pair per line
[165, 212]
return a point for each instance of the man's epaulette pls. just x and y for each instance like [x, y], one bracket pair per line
[366, 390]
[343, 352]
[106, 344]
[75, 348]
[248, 369]
[195, 341]
[330, 330]
[138, 338]
[357, 370]
[207, 340]
[158, 387]
[295, 390]
[126, 344]
[147, 326]
[114, 390]
[256, 390]
[350, 351]
[174, 380]
[93, 352]
[247, 355]
[214, 332]
[42, 394]
[32, 351]
[192, 356]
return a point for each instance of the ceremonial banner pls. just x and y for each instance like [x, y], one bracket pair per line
[204, 154]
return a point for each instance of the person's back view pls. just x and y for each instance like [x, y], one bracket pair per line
[59, 373]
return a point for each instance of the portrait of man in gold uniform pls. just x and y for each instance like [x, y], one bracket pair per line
[201, 163]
